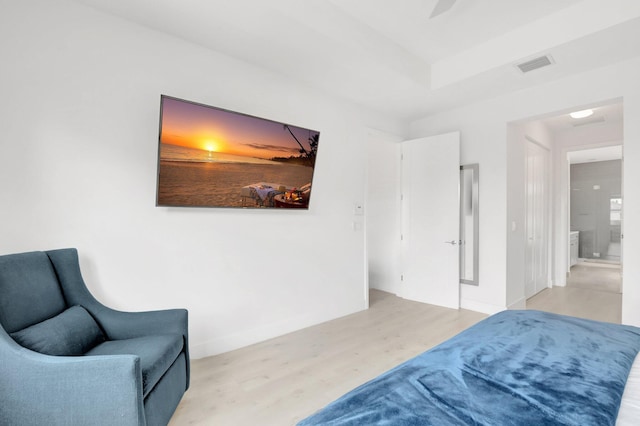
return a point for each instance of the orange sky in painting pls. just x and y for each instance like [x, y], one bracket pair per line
[207, 141]
[211, 129]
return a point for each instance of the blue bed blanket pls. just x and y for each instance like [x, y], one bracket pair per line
[513, 368]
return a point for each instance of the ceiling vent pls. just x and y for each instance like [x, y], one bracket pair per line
[535, 64]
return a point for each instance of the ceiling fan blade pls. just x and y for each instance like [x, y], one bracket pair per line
[441, 7]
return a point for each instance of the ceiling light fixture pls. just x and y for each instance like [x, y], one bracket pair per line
[582, 114]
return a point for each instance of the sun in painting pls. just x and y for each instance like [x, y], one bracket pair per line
[210, 146]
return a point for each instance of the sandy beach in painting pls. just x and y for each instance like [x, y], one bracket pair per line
[184, 183]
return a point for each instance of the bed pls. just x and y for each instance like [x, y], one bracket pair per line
[513, 368]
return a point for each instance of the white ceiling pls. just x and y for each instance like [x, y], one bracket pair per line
[390, 56]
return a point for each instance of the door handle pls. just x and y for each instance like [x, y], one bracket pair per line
[452, 242]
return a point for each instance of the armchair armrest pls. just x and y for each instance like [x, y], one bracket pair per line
[126, 325]
[94, 390]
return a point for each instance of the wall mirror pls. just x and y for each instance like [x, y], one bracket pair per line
[469, 224]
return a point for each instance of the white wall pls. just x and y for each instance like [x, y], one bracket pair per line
[484, 129]
[383, 210]
[631, 208]
[79, 113]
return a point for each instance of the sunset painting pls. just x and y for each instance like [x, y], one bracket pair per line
[210, 157]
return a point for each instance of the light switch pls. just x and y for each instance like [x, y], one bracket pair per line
[358, 209]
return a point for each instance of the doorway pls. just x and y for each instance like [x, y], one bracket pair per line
[561, 134]
[595, 219]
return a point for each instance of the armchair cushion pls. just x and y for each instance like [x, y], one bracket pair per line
[72, 332]
[156, 353]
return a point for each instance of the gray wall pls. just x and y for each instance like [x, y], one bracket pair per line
[590, 208]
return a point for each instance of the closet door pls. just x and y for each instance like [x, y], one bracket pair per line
[536, 199]
[431, 220]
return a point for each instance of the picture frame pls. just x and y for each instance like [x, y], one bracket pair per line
[213, 157]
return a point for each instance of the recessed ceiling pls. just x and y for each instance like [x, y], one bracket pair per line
[606, 122]
[610, 113]
[606, 153]
[390, 56]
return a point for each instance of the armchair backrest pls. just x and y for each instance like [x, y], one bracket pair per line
[29, 290]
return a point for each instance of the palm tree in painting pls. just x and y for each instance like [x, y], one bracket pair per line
[309, 156]
[302, 150]
[313, 148]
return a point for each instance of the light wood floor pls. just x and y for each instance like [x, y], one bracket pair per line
[281, 381]
[593, 291]
[596, 276]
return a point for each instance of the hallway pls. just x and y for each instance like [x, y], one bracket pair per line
[593, 291]
[600, 275]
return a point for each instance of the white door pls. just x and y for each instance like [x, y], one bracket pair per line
[536, 205]
[431, 220]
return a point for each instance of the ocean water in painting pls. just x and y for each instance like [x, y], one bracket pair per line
[170, 152]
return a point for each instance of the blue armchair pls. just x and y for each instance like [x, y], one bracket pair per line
[66, 359]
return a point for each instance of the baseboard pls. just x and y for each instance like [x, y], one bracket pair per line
[231, 342]
[518, 304]
[489, 309]
[484, 308]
